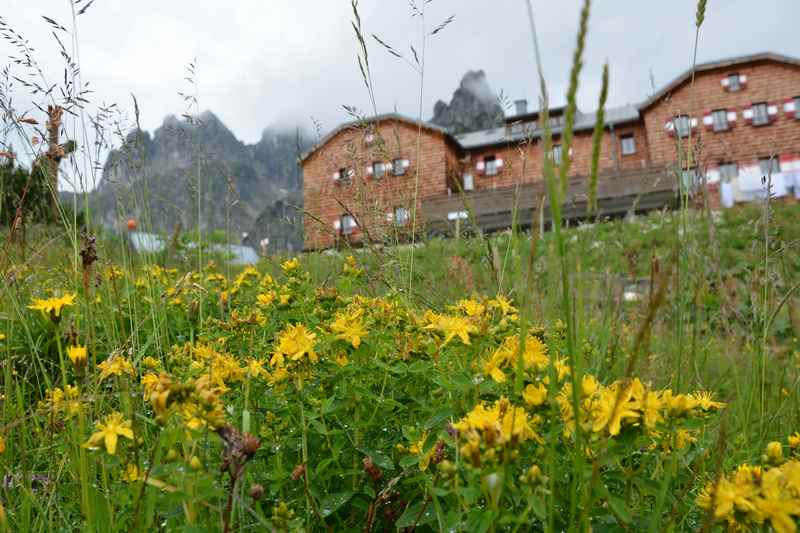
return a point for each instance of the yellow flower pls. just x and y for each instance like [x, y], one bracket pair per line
[108, 433]
[794, 441]
[451, 327]
[349, 327]
[255, 368]
[131, 473]
[534, 395]
[77, 355]
[775, 451]
[151, 362]
[294, 342]
[470, 307]
[341, 359]
[266, 298]
[2, 336]
[2, 445]
[290, 265]
[52, 306]
[116, 365]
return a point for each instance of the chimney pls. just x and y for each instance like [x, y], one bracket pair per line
[522, 106]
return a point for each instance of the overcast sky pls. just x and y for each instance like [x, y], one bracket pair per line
[263, 62]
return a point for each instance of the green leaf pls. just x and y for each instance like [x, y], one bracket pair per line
[409, 517]
[379, 458]
[332, 502]
[620, 508]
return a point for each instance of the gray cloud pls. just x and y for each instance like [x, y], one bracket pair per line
[282, 61]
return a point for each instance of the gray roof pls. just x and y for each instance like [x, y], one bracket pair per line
[368, 120]
[146, 242]
[721, 63]
[238, 255]
[583, 121]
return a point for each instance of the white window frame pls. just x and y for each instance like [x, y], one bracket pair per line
[722, 125]
[398, 167]
[728, 172]
[467, 182]
[378, 170]
[758, 119]
[401, 216]
[734, 86]
[490, 165]
[627, 144]
[347, 224]
[769, 166]
[683, 126]
[557, 154]
[346, 175]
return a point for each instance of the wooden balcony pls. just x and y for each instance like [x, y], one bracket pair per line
[492, 210]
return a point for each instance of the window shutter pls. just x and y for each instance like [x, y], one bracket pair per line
[693, 121]
[772, 112]
[669, 126]
[712, 174]
[406, 163]
[790, 108]
[708, 121]
[336, 177]
[724, 82]
[498, 163]
[743, 80]
[480, 166]
[731, 117]
[747, 115]
[389, 216]
[337, 225]
[370, 170]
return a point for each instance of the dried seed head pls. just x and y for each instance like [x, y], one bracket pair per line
[298, 472]
[256, 491]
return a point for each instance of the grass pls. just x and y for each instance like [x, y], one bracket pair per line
[612, 376]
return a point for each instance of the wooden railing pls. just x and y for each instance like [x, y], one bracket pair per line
[492, 210]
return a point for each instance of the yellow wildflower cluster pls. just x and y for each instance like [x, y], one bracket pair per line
[349, 326]
[450, 326]
[60, 401]
[52, 307]
[753, 495]
[488, 430]
[534, 357]
[294, 343]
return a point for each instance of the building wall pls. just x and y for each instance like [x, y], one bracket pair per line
[368, 198]
[767, 81]
[523, 162]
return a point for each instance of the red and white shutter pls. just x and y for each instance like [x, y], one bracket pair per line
[336, 178]
[747, 115]
[790, 107]
[790, 163]
[693, 122]
[406, 164]
[337, 225]
[772, 112]
[708, 120]
[743, 81]
[499, 164]
[480, 167]
[669, 127]
[370, 170]
[732, 117]
[725, 82]
[712, 174]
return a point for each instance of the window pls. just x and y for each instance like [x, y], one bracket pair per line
[398, 167]
[760, 114]
[628, 144]
[401, 216]
[720, 119]
[378, 170]
[734, 83]
[347, 224]
[490, 163]
[797, 109]
[467, 182]
[345, 175]
[728, 171]
[556, 153]
[683, 125]
[769, 166]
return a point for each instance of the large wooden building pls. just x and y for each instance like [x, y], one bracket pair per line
[366, 179]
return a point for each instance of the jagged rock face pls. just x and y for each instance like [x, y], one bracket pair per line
[279, 227]
[161, 179]
[473, 107]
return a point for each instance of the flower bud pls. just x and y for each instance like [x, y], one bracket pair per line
[775, 451]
